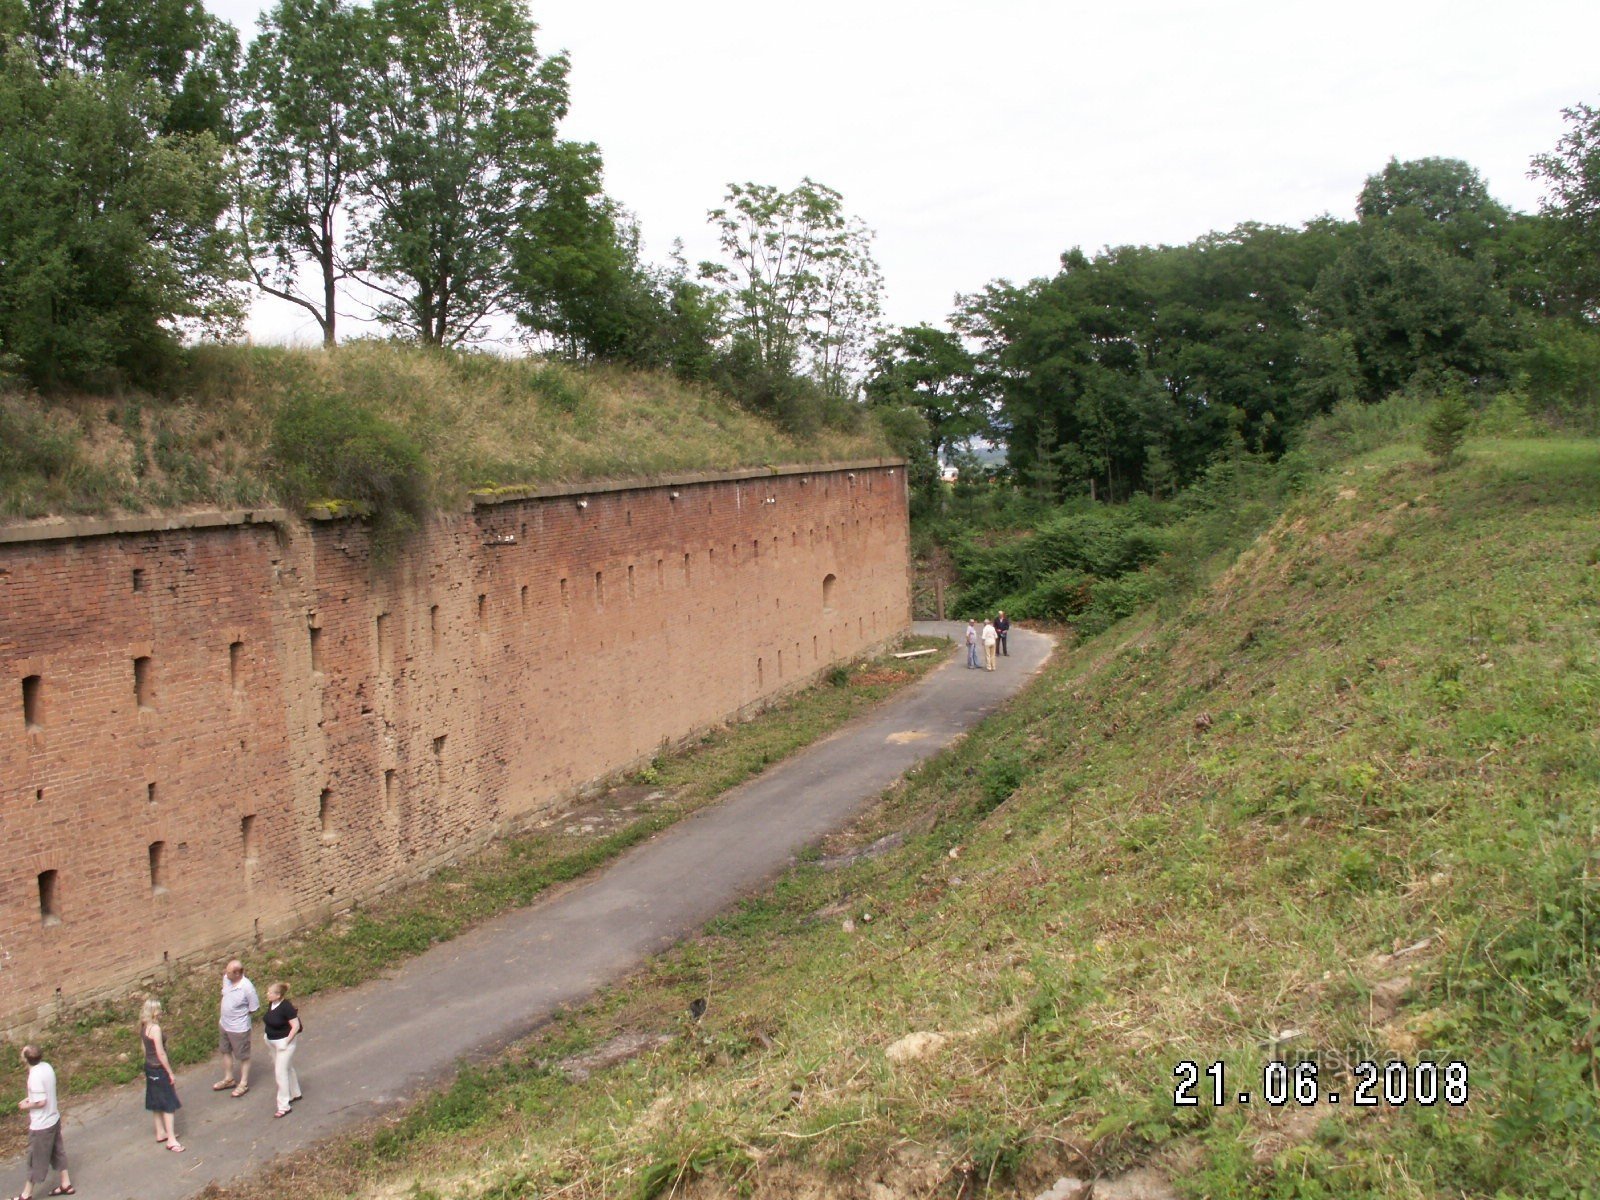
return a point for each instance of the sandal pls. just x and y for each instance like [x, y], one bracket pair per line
[58, 1190]
[175, 1147]
[240, 1090]
[223, 1085]
[283, 1112]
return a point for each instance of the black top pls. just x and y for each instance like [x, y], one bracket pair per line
[275, 1024]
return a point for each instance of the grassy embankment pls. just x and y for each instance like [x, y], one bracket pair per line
[475, 420]
[1340, 806]
[93, 1050]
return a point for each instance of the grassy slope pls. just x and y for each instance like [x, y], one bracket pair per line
[1377, 730]
[484, 421]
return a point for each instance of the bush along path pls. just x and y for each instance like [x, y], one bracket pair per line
[371, 1047]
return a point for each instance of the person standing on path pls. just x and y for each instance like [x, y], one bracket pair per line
[989, 639]
[972, 645]
[281, 1025]
[160, 1092]
[46, 1150]
[239, 1000]
[1002, 626]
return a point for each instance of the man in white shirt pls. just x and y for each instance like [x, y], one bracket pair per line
[46, 1150]
[239, 1000]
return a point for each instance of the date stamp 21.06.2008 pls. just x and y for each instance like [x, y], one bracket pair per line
[1365, 1084]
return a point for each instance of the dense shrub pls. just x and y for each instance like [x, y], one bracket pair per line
[328, 447]
[1047, 573]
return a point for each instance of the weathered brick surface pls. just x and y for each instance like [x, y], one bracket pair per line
[507, 657]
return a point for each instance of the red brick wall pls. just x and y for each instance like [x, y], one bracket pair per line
[527, 648]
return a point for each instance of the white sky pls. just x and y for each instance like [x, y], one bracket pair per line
[980, 140]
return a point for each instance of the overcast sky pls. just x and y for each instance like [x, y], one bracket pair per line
[980, 140]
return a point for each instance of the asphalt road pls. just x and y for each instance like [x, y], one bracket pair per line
[371, 1047]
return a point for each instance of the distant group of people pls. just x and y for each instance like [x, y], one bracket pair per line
[992, 637]
[280, 1023]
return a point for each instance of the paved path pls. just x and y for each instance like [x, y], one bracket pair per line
[369, 1047]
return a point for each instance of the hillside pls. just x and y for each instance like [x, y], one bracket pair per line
[1340, 808]
[233, 425]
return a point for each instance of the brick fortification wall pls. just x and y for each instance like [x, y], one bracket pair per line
[223, 727]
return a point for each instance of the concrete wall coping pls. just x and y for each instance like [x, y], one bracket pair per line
[58, 528]
[486, 498]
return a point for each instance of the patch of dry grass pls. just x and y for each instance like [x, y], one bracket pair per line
[485, 421]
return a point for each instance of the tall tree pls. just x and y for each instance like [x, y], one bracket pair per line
[303, 80]
[1571, 172]
[176, 46]
[456, 141]
[110, 243]
[1412, 310]
[803, 288]
[930, 370]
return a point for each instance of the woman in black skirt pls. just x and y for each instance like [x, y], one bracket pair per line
[160, 1094]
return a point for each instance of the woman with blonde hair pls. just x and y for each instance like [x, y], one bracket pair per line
[160, 1094]
[281, 1023]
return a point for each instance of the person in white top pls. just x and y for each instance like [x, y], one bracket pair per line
[990, 637]
[239, 1000]
[46, 1150]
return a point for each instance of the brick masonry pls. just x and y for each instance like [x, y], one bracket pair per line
[221, 728]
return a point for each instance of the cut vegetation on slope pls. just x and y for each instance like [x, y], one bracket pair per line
[1342, 807]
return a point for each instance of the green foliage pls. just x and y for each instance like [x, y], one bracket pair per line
[1411, 305]
[301, 104]
[1051, 572]
[802, 288]
[1446, 428]
[189, 57]
[1572, 173]
[108, 227]
[928, 371]
[329, 447]
[1561, 371]
[456, 129]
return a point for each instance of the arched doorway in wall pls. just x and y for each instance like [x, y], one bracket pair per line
[830, 585]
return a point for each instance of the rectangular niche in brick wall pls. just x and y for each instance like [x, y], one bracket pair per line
[50, 897]
[144, 683]
[158, 868]
[33, 703]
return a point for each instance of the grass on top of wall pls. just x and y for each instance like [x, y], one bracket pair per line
[100, 1047]
[476, 421]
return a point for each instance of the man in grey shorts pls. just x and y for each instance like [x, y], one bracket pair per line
[239, 1000]
[45, 1147]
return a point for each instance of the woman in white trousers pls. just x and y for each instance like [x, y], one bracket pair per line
[281, 1024]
